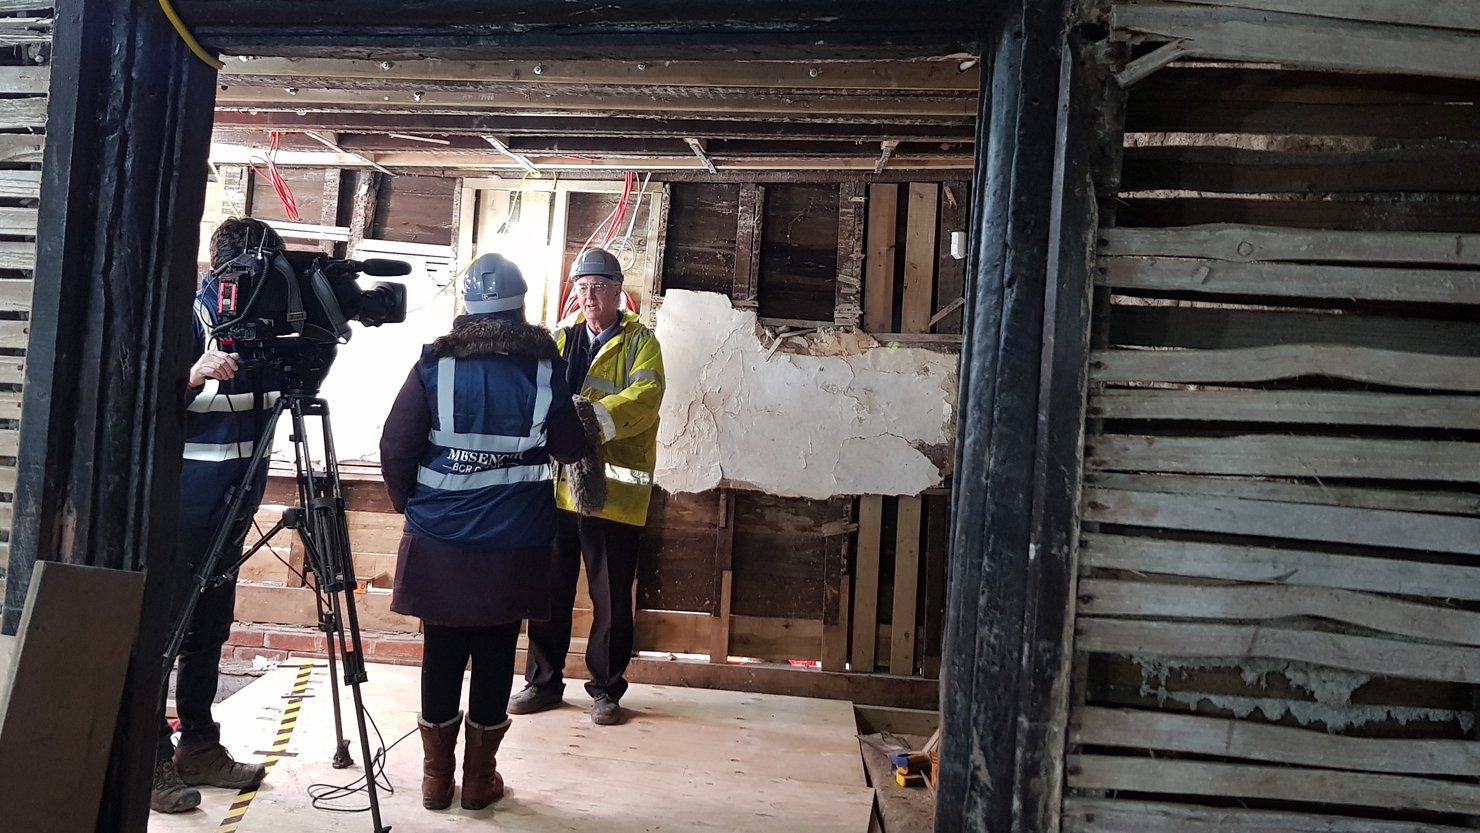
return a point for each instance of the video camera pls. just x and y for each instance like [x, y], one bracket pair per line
[291, 309]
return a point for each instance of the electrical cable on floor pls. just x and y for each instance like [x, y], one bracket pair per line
[322, 796]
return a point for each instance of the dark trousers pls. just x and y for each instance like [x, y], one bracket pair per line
[445, 655]
[199, 663]
[610, 553]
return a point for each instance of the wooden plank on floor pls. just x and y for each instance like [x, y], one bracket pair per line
[65, 683]
[1278, 519]
[1300, 407]
[1291, 280]
[919, 257]
[1108, 815]
[906, 586]
[1234, 562]
[878, 284]
[1261, 455]
[1360, 789]
[1250, 244]
[866, 583]
[1370, 655]
[1258, 602]
[1250, 740]
[1288, 361]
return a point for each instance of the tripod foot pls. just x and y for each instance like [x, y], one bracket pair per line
[342, 759]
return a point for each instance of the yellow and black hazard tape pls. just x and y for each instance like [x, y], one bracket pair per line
[243, 801]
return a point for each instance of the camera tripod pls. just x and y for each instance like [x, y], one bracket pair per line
[319, 520]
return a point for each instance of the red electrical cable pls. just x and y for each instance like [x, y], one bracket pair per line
[274, 177]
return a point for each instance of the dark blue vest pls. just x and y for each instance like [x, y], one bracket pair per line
[487, 478]
[223, 424]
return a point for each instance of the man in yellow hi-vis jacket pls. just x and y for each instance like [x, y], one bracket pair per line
[615, 362]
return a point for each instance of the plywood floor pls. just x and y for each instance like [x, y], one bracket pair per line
[689, 759]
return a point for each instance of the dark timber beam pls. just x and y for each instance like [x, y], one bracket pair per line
[98, 472]
[508, 126]
[1005, 678]
[538, 29]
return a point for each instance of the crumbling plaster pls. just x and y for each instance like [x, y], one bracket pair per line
[845, 416]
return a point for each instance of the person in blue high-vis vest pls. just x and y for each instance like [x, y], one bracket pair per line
[468, 452]
[226, 414]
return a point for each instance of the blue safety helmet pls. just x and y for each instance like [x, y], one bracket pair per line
[493, 284]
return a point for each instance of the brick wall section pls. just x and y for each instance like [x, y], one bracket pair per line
[274, 642]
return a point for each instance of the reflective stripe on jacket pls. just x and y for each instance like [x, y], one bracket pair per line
[486, 477]
[625, 386]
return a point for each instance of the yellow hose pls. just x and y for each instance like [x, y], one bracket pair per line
[190, 41]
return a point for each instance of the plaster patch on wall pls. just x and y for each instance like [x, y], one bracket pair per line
[847, 417]
[1331, 688]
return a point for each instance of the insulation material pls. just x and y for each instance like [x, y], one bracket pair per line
[847, 417]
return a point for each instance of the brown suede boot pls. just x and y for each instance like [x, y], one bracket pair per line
[482, 785]
[201, 760]
[439, 761]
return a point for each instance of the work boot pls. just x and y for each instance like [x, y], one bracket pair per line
[167, 793]
[482, 785]
[606, 712]
[202, 760]
[438, 762]
[535, 699]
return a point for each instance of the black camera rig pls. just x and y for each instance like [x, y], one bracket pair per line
[290, 310]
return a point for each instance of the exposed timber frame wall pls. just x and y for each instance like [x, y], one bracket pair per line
[97, 479]
[24, 78]
[1276, 624]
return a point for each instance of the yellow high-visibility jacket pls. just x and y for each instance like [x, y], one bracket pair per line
[625, 384]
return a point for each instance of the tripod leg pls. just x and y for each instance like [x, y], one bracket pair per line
[327, 626]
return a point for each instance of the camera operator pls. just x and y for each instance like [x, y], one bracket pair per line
[227, 414]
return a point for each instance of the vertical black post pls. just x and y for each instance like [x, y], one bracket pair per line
[1022, 399]
[122, 191]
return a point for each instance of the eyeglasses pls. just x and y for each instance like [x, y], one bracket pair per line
[596, 288]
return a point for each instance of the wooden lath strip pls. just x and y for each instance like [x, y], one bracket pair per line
[1291, 280]
[1237, 562]
[1276, 519]
[1264, 364]
[1182, 777]
[1247, 739]
[1289, 407]
[1252, 244]
[1258, 455]
[1258, 602]
[1103, 815]
[1369, 655]
[1323, 494]
[1302, 41]
[1450, 15]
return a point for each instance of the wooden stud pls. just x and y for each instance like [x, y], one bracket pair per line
[367, 204]
[950, 280]
[749, 217]
[724, 554]
[906, 583]
[878, 288]
[920, 257]
[847, 305]
[866, 584]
